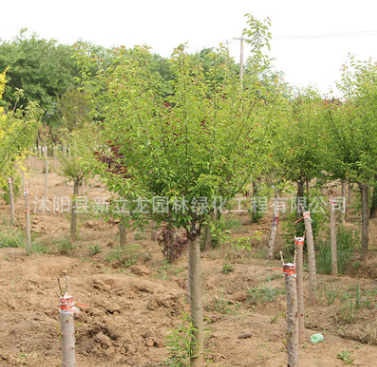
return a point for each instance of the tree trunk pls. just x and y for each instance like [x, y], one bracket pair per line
[76, 187]
[334, 251]
[11, 202]
[299, 242]
[342, 214]
[196, 301]
[28, 224]
[153, 230]
[349, 193]
[311, 257]
[343, 188]
[67, 328]
[300, 195]
[292, 324]
[274, 229]
[373, 208]
[256, 215]
[307, 187]
[207, 234]
[122, 232]
[365, 221]
[46, 178]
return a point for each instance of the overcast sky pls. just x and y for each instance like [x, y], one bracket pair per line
[164, 24]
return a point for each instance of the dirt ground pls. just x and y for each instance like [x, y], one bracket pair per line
[133, 304]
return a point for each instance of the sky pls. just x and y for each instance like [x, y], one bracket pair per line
[335, 29]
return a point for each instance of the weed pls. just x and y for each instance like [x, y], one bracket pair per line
[180, 343]
[12, 238]
[227, 268]
[218, 304]
[347, 313]
[261, 253]
[274, 276]
[95, 248]
[139, 234]
[4, 220]
[357, 265]
[21, 358]
[240, 243]
[368, 334]
[331, 293]
[39, 248]
[124, 256]
[220, 230]
[63, 246]
[345, 356]
[274, 318]
[347, 239]
[166, 270]
[264, 294]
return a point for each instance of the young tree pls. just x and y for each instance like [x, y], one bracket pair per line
[187, 152]
[351, 131]
[82, 144]
[296, 143]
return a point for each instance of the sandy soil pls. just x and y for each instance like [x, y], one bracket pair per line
[131, 309]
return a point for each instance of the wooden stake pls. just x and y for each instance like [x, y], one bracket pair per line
[292, 324]
[54, 153]
[123, 232]
[36, 157]
[343, 194]
[67, 328]
[11, 202]
[274, 229]
[153, 230]
[364, 221]
[46, 178]
[28, 225]
[196, 300]
[334, 254]
[40, 152]
[76, 187]
[299, 244]
[311, 257]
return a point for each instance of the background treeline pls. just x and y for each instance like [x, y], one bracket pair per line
[47, 73]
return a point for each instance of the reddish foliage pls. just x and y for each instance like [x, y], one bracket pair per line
[171, 250]
[113, 158]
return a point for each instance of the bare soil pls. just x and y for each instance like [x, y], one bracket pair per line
[132, 306]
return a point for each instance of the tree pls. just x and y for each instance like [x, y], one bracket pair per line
[17, 130]
[351, 130]
[74, 164]
[296, 145]
[188, 151]
[73, 107]
[42, 68]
